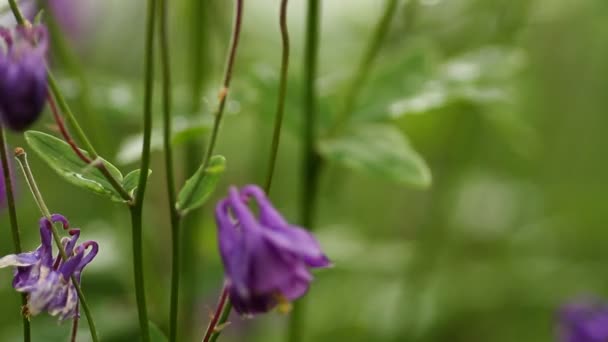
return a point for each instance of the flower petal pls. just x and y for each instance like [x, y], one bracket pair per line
[299, 242]
[23, 259]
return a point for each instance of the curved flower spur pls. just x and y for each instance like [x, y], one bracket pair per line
[47, 280]
[266, 259]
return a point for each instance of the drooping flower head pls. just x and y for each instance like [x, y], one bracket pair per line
[266, 259]
[584, 321]
[47, 280]
[23, 80]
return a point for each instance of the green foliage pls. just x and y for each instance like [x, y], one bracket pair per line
[201, 185]
[379, 150]
[156, 335]
[61, 158]
[131, 180]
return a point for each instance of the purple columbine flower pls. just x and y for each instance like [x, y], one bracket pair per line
[584, 321]
[23, 82]
[266, 259]
[47, 280]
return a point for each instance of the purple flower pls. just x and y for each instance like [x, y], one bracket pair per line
[584, 321]
[47, 280]
[23, 82]
[266, 260]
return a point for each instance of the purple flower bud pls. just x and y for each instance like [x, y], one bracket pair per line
[266, 260]
[47, 280]
[584, 321]
[23, 82]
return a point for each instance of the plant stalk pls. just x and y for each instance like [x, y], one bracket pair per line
[12, 213]
[169, 174]
[223, 93]
[137, 207]
[312, 160]
[274, 148]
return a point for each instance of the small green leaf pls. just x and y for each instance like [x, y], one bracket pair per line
[379, 150]
[131, 180]
[200, 186]
[61, 158]
[156, 335]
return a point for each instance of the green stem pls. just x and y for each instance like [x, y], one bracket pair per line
[12, 212]
[223, 94]
[137, 207]
[170, 178]
[31, 182]
[198, 62]
[365, 64]
[312, 161]
[274, 148]
[16, 12]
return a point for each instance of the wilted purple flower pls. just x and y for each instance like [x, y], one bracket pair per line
[584, 321]
[47, 280]
[266, 259]
[23, 82]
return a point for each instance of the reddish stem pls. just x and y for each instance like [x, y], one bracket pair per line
[64, 131]
[216, 316]
[74, 328]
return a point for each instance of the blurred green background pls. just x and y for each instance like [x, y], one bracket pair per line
[504, 99]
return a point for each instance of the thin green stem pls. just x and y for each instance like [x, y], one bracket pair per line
[16, 12]
[274, 148]
[12, 213]
[137, 207]
[170, 178]
[312, 161]
[223, 94]
[31, 182]
[198, 61]
[365, 64]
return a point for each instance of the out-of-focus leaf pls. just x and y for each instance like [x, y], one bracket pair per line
[131, 180]
[199, 187]
[61, 158]
[379, 150]
[156, 335]
[184, 130]
[480, 77]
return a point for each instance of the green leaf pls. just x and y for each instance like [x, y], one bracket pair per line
[200, 186]
[131, 180]
[379, 150]
[156, 335]
[61, 158]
